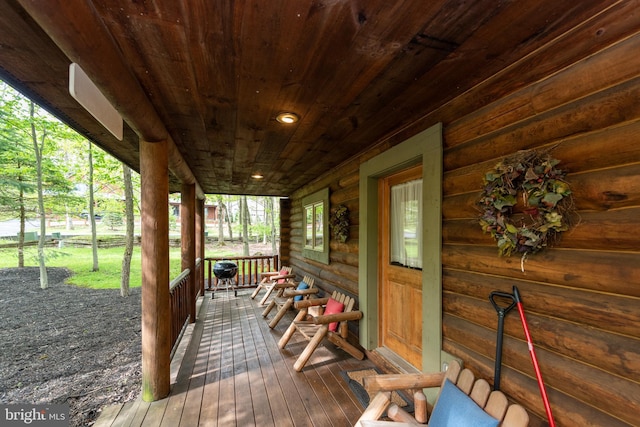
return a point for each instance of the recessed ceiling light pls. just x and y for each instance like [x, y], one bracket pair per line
[257, 176]
[287, 118]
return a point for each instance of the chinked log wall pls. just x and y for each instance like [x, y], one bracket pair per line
[581, 95]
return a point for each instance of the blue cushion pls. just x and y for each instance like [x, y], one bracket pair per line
[456, 409]
[300, 287]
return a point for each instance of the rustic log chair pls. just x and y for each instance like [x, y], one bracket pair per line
[270, 279]
[331, 324]
[286, 297]
[493, 403]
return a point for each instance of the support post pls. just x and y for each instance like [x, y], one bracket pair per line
[156, 312]
[187, 232]
[200, 244]
[285, 233]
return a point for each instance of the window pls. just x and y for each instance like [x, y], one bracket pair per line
[406, 224]
[316, 226]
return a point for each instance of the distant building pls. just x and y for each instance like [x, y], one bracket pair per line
[210, 211]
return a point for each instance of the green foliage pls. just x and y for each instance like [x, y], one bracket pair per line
[65, 165]
[17, 158]
[260, 229]
[113, 220]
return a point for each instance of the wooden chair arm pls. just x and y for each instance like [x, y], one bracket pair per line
[338, 317]
[282, 276]
[391, 382]
[295, 292]
[269, 273]
[375, 409]
[313, 302]
[284, 285]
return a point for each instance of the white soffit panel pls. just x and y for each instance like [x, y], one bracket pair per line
[89, 96]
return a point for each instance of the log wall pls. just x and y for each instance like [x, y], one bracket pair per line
[342, 272]
[580, 96]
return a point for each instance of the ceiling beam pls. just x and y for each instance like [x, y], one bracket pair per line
[79, 32]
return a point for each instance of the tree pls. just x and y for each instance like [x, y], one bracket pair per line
[272, 203]
[267, 205]
[24, 128]
[244, 213]
[222, 209]
[112, 220]
[15, 162]
[38, 148]
[228, 215]
[92, 215]
[15, 158]
[128, 250]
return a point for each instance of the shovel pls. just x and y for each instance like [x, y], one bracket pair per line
[498, 301]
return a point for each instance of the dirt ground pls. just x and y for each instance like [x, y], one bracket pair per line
[67, 344]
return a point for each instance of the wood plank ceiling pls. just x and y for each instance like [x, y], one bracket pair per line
[218, 72]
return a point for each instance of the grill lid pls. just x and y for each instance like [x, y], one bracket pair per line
[225, 269]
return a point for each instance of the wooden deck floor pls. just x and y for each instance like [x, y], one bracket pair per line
[233, 374]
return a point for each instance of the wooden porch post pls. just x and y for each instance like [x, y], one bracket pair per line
[200, 244]
[285, 231]
[187, 232]
[156, 313]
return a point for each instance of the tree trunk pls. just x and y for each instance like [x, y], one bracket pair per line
[267, 205]
[245, 226]
[273, 226]
[22, 227]
[69, 218]
[221, 214]
[92, 218]
[229, 223]
[44, 281]
[128, 245]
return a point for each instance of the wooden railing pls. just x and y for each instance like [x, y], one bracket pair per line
[179, 300]
[249, 269]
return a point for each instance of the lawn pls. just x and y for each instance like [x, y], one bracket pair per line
[80, 262]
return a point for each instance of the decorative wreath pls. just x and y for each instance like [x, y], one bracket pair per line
[531, 178]
[339, 223]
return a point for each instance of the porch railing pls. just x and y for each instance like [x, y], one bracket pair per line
[249, 269]
[179, 300]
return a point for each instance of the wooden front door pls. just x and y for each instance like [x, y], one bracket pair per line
[400, 268]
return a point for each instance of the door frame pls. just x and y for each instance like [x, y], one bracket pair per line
[425, 147]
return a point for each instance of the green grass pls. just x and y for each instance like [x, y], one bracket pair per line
[80, 262]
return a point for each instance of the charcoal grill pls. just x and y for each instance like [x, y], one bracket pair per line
[225, 272]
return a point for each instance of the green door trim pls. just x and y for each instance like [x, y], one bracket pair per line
[425, 147]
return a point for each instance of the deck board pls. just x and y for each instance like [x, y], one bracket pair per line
[233, 374]
[108, 415]
[212, 346]
[277, 386]
[262, 410]
[138, 413]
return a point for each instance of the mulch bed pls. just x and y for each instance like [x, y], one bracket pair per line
[67, 344]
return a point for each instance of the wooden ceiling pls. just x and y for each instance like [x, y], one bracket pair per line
[218, 72]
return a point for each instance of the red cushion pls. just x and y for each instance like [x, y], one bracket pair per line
[333, 307]
[283, 272]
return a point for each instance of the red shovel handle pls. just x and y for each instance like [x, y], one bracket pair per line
[534, 359]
